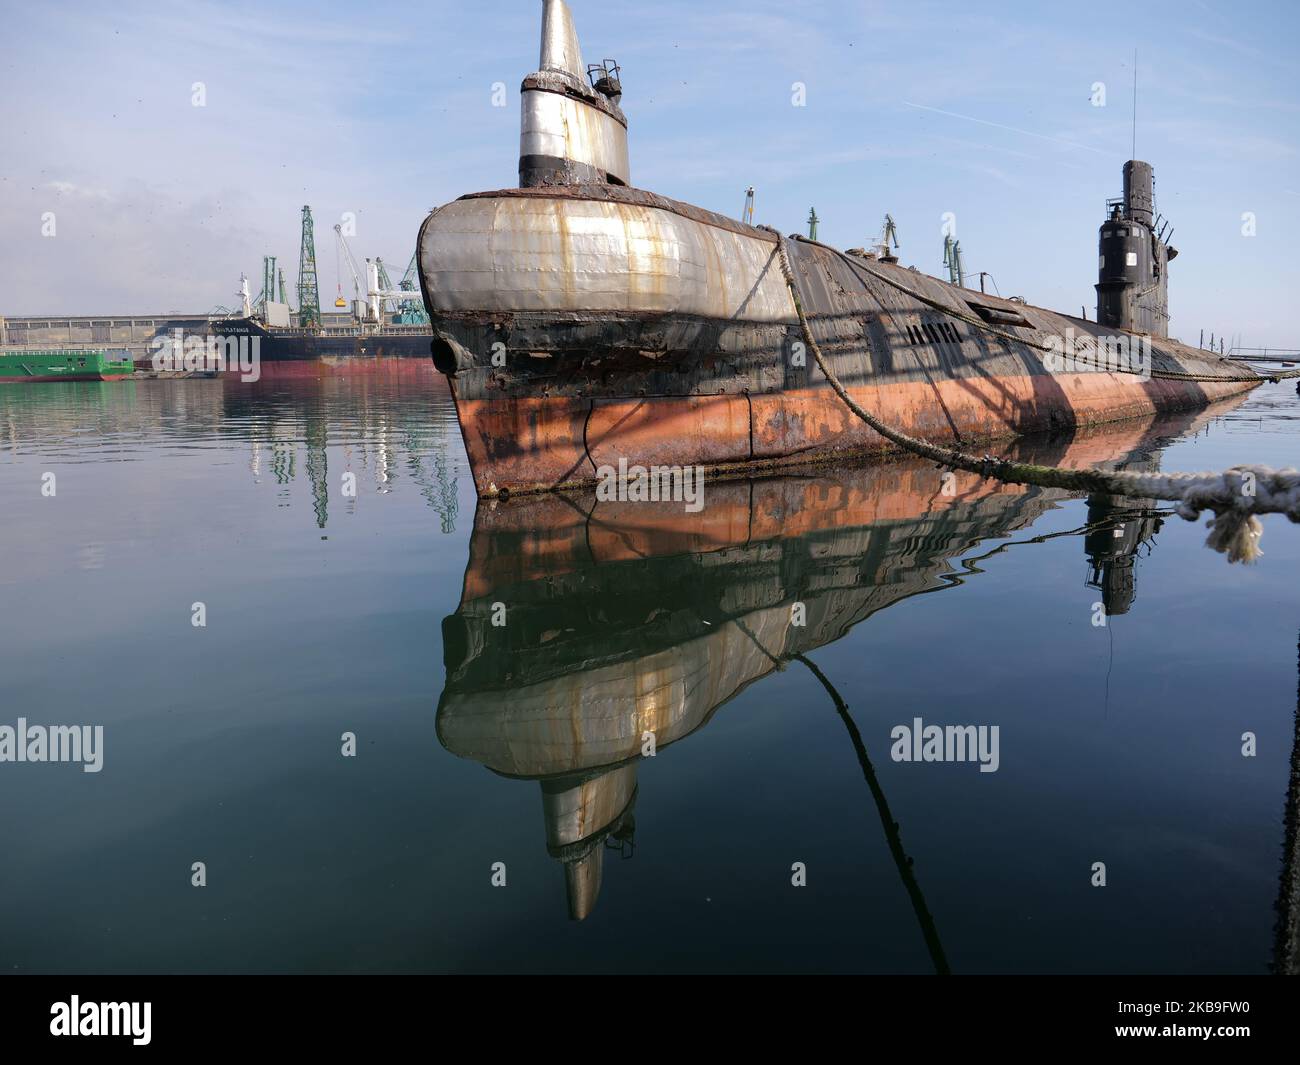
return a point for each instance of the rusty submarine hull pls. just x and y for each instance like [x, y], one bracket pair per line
[581, 321]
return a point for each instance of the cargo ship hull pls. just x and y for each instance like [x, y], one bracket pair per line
[47, 378]
[294, 352]
[38, 366]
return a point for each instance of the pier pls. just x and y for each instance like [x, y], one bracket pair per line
[135, 333]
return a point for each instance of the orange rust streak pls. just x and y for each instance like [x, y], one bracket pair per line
[553, 534]
[536, 443]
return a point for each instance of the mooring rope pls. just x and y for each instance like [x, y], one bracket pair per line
[1234, 496]
[893, 836]
[992, 330]
[1286, 932]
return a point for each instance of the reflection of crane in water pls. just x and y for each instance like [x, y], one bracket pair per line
[316, 432]
[439, 491]
[282, 460]
[380, 446]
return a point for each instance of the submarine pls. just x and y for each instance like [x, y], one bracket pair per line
[582, 321]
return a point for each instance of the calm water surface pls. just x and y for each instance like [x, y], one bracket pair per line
[520, 743]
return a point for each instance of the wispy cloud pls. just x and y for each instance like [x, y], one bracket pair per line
[1009, 129]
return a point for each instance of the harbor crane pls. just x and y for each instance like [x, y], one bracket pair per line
[952, 260]
[271, 275]
[268, 281]
[888, 235]
[308, 290]
[352, 266]
[412, 312]
[410, 309]
[377, 287]
[378, 293]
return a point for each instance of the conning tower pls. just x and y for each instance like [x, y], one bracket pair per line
[573, 131]
[1133, 268]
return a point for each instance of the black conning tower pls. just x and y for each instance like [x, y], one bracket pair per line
[1133, 269]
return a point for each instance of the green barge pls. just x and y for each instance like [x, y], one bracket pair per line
[65, 364]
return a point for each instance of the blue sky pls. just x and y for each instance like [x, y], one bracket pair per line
[912, 108]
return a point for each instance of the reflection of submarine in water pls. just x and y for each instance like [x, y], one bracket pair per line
[624, 620]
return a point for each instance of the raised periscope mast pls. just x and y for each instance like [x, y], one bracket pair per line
[572, 132]
[1133, 263]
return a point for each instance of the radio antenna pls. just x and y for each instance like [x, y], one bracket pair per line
[1135, 104]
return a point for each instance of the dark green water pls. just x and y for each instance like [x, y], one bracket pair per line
[519, 744]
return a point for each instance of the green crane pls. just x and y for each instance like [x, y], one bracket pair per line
[268, 280]
[952, 260]
[308, 291]
[411, 312]
[888, 242]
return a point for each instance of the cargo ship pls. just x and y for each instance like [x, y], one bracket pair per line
[582, 321]
[75, 364]
[364, 338]
[290, 349]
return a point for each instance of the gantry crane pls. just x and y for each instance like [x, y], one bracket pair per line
[378, 287]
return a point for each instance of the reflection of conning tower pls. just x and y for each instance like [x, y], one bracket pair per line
[572, 132]
[1133, 268]
[1112, 550]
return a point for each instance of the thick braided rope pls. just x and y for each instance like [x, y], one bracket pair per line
[1235, 496]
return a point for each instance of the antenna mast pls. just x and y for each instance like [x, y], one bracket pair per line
[1135, 105]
